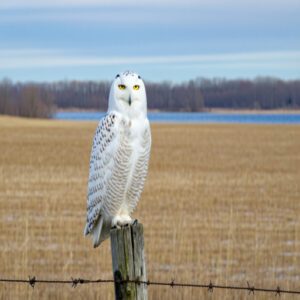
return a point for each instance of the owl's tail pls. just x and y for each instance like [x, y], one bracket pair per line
[100, 231]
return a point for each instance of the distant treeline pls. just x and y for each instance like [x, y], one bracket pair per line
[41, 99]
[27, 100]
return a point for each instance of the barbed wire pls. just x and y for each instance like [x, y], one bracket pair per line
[74, 282]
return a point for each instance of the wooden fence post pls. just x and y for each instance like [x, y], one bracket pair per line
[128, 261]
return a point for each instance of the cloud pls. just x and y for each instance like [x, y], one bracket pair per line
[55, 58]
[16, 4]
[204, 14]
[216, 4]
[91, 16]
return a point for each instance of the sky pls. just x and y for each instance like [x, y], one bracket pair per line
[43, 40]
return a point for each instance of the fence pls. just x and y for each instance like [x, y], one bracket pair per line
[74, 282]
[129, 269]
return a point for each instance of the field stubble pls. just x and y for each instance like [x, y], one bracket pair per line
[221, 203]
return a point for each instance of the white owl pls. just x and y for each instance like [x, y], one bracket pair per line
[119, 158]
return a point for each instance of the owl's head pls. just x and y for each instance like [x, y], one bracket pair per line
[128, 95]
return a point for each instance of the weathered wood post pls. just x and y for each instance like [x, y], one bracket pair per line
[128, 261]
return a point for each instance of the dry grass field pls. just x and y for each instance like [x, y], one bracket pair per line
[221, 203]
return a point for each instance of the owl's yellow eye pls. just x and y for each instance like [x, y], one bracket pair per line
[122, 86]
[136, 87]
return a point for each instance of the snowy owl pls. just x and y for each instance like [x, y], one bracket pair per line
[119, 158]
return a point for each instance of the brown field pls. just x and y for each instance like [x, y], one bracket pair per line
[221, 203]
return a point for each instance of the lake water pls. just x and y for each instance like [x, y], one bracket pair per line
[184, 117]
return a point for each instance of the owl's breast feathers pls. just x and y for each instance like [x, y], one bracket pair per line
[118, 167]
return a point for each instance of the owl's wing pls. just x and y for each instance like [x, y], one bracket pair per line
[140, 170]
[105, 146]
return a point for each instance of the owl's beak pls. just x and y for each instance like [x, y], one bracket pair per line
[129, 100]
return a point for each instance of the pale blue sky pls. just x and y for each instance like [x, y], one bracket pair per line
[44, 40]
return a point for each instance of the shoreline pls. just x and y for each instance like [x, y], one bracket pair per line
[254, 111]
[211, 110]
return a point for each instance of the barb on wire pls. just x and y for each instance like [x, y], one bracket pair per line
[210, 287]
[172, 283]
[278, 291]
[74, 282]
[32, 281]
[250, 288]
